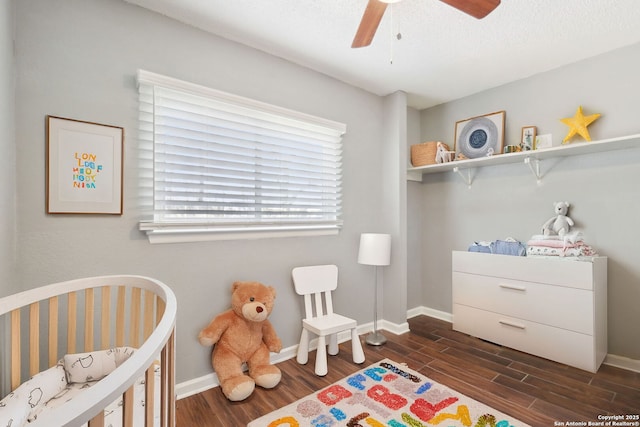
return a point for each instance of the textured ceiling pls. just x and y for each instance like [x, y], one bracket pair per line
[443, 54]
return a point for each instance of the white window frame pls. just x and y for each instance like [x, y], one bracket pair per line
[161, 230]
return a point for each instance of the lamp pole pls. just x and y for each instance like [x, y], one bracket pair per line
[375, 337]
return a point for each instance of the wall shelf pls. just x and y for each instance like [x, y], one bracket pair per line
[531, 158]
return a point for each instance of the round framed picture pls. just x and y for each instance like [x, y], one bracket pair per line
[480, 136]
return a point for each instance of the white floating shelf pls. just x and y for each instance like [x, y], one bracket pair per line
[528, 157]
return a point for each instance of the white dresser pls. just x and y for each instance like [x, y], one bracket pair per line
[552, 308]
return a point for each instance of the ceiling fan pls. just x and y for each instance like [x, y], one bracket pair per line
[375, 9]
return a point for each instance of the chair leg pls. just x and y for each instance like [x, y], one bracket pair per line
[356, 347]
[333, 344]
[321, 357]
[303, 348]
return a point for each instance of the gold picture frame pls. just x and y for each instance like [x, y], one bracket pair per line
[84, 167]
[480, 136]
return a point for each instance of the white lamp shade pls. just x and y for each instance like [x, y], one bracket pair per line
[375, 249]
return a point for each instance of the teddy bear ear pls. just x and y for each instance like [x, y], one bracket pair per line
[235, 286]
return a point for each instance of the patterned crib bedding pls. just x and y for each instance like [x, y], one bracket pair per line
[577, 251]
[72, 375]
[571, 245]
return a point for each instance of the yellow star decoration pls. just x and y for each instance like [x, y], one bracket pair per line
[578, 124]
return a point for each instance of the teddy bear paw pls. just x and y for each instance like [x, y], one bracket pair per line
[268, 380]
[240, 391]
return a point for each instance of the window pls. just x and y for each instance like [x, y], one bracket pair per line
[223, 164]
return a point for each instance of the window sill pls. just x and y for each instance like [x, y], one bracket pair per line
[182, 233]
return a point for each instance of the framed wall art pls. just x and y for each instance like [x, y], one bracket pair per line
[480, 136]
[528, 138]
[84, 167]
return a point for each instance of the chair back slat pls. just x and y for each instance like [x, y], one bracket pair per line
[319, 308]
[328, 302]
[308, 307]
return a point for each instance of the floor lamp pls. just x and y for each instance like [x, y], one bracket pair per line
[375, 249]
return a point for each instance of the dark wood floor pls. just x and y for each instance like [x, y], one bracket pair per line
[536, 391]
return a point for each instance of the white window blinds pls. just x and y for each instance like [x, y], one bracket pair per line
[227, 162]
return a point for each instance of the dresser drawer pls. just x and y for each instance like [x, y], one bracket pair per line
[561, 345]
[559, 306]
[576, 274]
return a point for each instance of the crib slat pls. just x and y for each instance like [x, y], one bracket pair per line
[34, 338]
[149, 395]
[172, 379]
[134, 339]
[120, 316]
[148, 313]
[53, 330]
[98, 420]
[167, 390]
[127, 408]
[164, 374]
[72, 313]
[89, 312]
[105, 332]
[161, 307]
[15, 349]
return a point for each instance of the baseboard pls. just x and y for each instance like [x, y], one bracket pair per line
[622, 362]
[431, 312]
[209, 381]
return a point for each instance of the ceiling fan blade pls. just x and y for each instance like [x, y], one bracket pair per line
[369, 23]
[476, 8]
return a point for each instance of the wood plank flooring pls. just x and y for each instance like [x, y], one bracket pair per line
[536, 391]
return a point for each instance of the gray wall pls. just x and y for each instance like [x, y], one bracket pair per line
[8, 283]
[77, 59]
[506, 200]
[8, 149]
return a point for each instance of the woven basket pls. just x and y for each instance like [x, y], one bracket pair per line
[425, 153]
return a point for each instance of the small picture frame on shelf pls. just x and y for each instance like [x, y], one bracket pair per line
[543, 142]
[528, 138]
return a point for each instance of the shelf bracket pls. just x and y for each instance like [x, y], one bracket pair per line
[465, 177]
[534, 165]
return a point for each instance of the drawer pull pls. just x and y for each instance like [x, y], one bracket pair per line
[514, 287]
[513, 325]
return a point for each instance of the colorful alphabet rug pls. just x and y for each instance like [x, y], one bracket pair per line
[386, 394]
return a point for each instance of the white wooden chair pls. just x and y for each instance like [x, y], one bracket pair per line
[314, 283]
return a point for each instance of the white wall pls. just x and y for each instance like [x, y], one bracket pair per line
[78, 59]
[8, 149]
[506, 200]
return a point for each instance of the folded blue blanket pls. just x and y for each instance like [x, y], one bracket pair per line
[500, 247]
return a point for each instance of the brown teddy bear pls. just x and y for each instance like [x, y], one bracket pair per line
[243, 334]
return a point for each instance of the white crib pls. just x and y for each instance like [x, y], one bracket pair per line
[42, 325]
